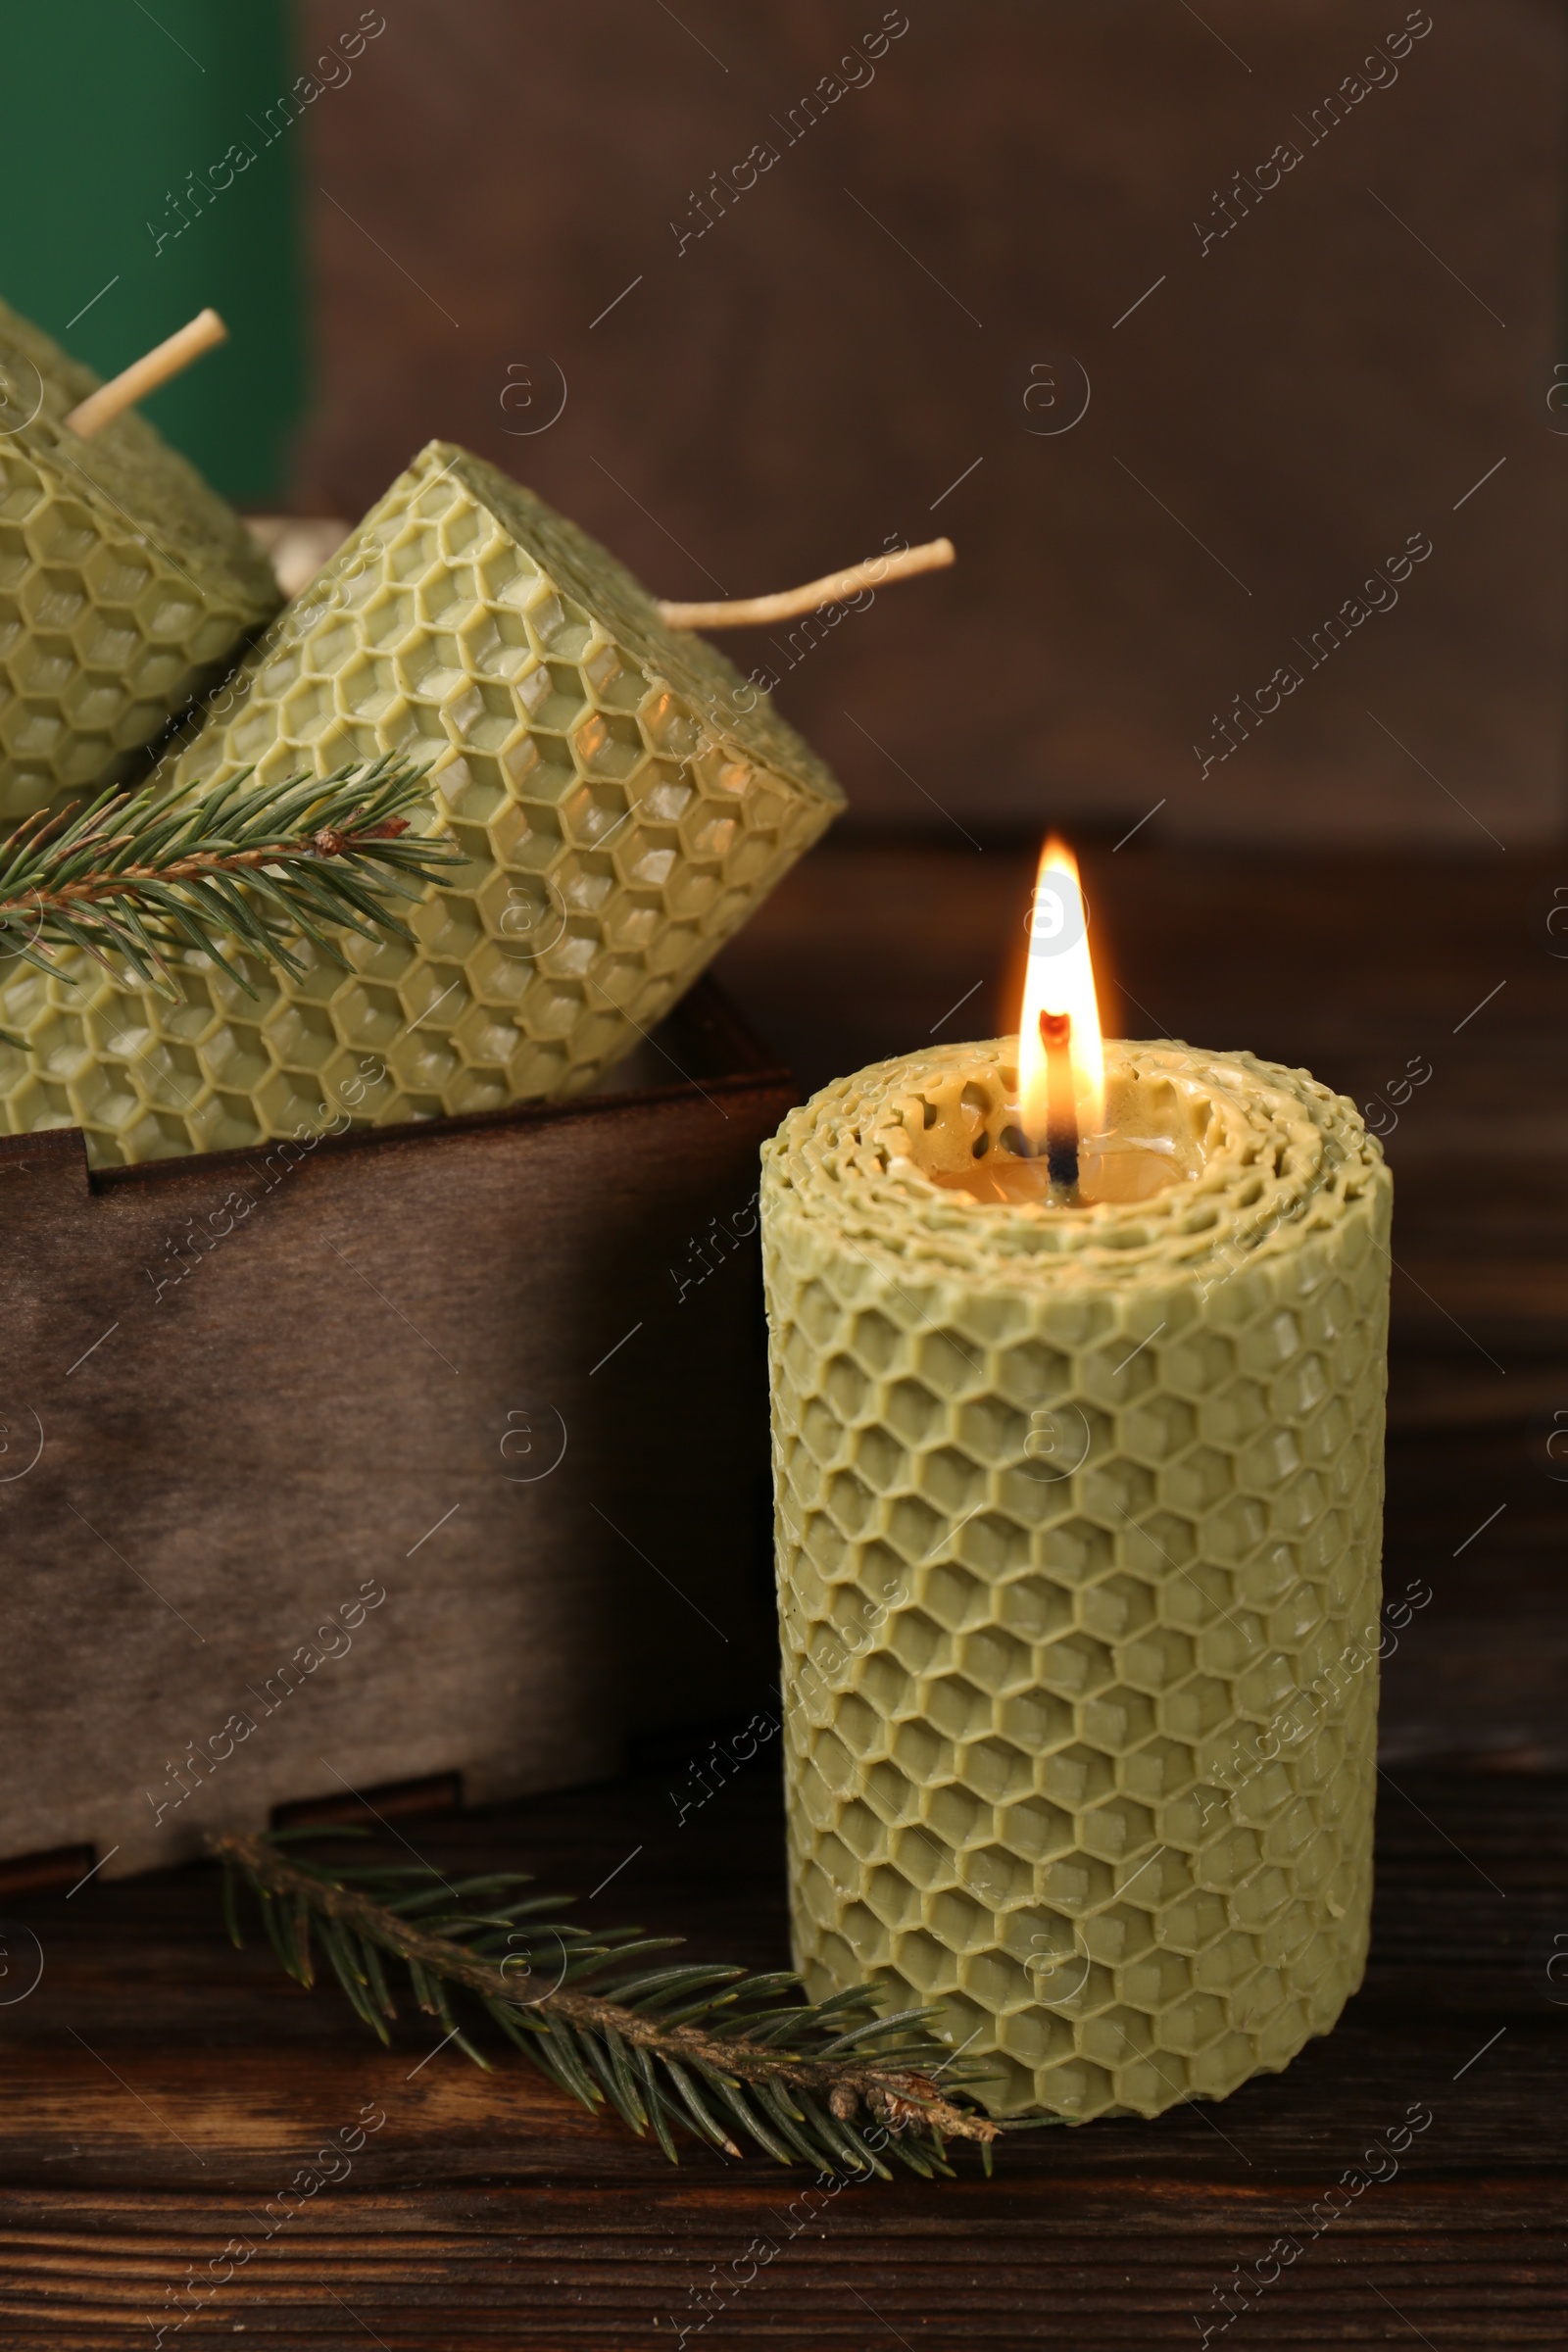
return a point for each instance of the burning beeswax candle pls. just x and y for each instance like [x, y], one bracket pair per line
[125, 581]
[1079, 1501]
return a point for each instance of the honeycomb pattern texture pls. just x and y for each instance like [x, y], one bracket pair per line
[623, 797]
[125, 581]
[1078, 1541]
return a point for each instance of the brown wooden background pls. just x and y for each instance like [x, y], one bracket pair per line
[857, 332]
[786, 393]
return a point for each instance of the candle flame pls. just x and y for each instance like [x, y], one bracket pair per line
[1059, 979]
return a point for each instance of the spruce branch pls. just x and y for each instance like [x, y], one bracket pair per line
[259, 867]
[717, 2051]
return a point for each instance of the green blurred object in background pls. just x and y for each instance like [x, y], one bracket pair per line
[128, 208]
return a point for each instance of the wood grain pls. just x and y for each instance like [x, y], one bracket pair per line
[843, 358]
[489, 2209]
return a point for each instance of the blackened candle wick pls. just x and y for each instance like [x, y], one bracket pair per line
[1061, 1103]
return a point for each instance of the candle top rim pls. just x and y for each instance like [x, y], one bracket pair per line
[734, 710]
[139, 485]
[1282, 1153]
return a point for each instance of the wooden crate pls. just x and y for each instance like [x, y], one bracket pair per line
[430, 1450]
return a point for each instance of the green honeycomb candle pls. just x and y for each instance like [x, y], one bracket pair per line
[1078, 1536]
[125, 581]
[623, 795]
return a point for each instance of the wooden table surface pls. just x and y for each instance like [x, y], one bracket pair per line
[156, 2088]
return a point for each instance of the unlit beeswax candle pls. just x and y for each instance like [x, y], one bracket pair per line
[1078, 1533]
[125, 581]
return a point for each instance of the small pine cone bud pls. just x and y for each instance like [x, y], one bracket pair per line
[843, 2101]
[899, 2113]
[328, 840]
